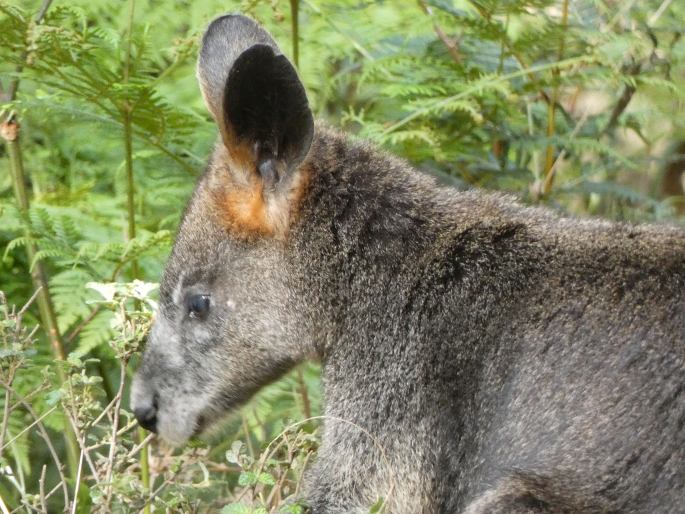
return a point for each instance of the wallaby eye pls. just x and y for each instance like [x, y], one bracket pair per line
[198, 306]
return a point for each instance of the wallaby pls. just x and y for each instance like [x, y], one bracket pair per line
[478, 356]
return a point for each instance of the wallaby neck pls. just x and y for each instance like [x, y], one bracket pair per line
[380, 243]
[363, 222]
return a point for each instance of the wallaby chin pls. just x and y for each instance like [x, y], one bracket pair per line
[477, 355]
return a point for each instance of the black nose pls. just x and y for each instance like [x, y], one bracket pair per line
[147, 416]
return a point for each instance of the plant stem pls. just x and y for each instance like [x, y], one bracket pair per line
[304, 393]
[130, 184]
[10, 133]
[551, 107]
[295, 30]
[38, 275]
[452, 45]
[48, 319]
[623, 100]
[14, 84]
[127, 112]
[113, 441]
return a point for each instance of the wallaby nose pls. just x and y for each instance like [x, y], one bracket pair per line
[147, 416]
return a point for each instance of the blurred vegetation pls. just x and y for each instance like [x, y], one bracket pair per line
[574, 104]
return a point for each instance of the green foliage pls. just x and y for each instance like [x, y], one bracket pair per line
[573, 104]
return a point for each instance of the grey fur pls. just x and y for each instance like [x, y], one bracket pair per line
[503, 358]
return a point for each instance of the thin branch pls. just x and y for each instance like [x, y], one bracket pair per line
[551, 108]
[85, 450]
[77, 330]
[300, 478]
[295, 30]
[552, 172]
[52, 491]
[44, 434]
[14, 83]
[9, 130]
[29, 427]
[621, 105]
[114, 437]
[3, 507]
[78, 482]
[304, 394]
[631, 70]
[140, 446]
[41, 489]
[452, 45]
[5, 419]
[104, 412]
[28, 304]
[657, 14]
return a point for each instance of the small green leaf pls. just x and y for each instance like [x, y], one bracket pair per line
[247, 478]
[53, 397]
[266, 479]
[236, 508]
[292, 508]
[377, 507]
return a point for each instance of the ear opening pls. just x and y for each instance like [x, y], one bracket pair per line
[266, 108]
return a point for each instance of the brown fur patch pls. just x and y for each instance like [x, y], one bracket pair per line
[241, 156]
[244, 211]
[241, 204]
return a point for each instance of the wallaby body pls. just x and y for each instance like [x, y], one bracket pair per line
[478, 356]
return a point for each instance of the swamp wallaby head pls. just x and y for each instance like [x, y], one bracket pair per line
[501, 358]
[227, 322]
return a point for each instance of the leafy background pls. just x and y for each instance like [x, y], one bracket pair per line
[575, 104]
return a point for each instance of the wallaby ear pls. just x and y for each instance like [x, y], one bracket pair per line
[224, 40]
[261, 108]
[265, 106]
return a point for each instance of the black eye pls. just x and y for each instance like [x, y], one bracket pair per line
[198, 306]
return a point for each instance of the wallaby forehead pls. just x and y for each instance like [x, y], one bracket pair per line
[200, 247]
